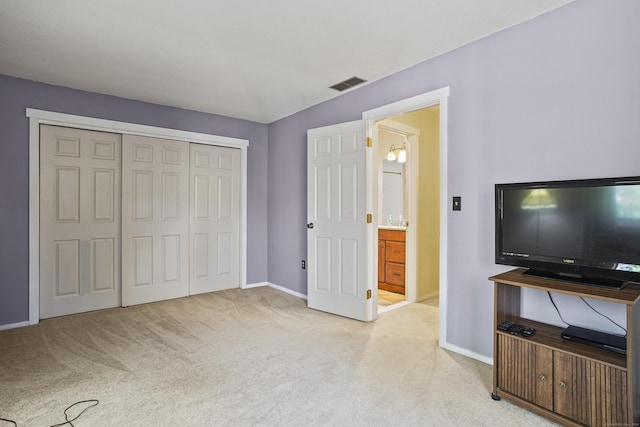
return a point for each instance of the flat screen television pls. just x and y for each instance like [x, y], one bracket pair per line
[583, 230]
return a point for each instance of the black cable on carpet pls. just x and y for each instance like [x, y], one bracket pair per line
[92, 403]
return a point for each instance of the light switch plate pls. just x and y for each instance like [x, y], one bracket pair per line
[457, 203]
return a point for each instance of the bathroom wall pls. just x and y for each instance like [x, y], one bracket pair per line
[427, 120]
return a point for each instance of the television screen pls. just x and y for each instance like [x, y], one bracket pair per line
[586, 228]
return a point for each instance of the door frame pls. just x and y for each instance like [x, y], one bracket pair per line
[429, 99]
[38, 117]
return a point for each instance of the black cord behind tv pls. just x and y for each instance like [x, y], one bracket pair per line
[585, 231]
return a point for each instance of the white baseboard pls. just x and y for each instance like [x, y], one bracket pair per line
[278, 287]
[14, 325]
[467, 353]
[287, 290]
[255, 285]
[428, 296]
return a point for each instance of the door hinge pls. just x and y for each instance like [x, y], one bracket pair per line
[368, 293]
[369, 218]
[369, 142]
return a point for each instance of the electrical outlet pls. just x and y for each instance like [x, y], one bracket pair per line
[304, 264]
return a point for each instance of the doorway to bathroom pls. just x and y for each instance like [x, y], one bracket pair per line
[408, 156]
[341, 244]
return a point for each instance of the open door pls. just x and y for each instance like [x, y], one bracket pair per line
[337, 254]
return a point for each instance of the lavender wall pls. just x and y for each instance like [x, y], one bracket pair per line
[557, 97]
[16, 95]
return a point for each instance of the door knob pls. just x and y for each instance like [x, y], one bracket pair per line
[310, 225]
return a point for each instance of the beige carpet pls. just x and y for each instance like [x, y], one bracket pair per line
[242, 358]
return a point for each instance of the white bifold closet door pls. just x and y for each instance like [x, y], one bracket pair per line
[155, 219]
[215, 218]
[79, 221]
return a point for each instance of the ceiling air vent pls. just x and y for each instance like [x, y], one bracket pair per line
[347, 84]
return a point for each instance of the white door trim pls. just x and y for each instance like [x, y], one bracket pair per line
[38, 117]
[441, 97]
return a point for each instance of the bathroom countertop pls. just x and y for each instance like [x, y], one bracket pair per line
[392, 227]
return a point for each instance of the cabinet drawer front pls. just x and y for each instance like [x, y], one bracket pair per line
[395, 273]
[397, 235]
[395, 251]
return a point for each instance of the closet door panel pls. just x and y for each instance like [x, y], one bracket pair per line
[79, 221]
[215, 218]
[155, 220]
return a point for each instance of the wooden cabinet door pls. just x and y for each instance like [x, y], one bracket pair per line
[381, 261]
[590, 392]
[525, 370]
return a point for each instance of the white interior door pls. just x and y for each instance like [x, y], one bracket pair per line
[155, 219]
[337, 221]
[79, 221]
[215, 218]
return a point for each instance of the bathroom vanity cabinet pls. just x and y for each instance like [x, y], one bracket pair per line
[391, 260]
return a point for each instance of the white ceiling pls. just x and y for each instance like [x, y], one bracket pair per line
[259, 60]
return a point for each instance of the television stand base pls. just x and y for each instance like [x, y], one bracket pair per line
[593, 281]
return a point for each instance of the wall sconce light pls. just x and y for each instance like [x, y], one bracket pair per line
[391, 155]
[401, 155]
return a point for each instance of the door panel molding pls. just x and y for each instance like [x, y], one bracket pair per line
[40, 117]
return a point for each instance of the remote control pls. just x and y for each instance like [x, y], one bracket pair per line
[516, 329]
[504, 326]
[528, 332]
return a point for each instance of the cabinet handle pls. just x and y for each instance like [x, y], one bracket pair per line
[542, 378]
[562, 384]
